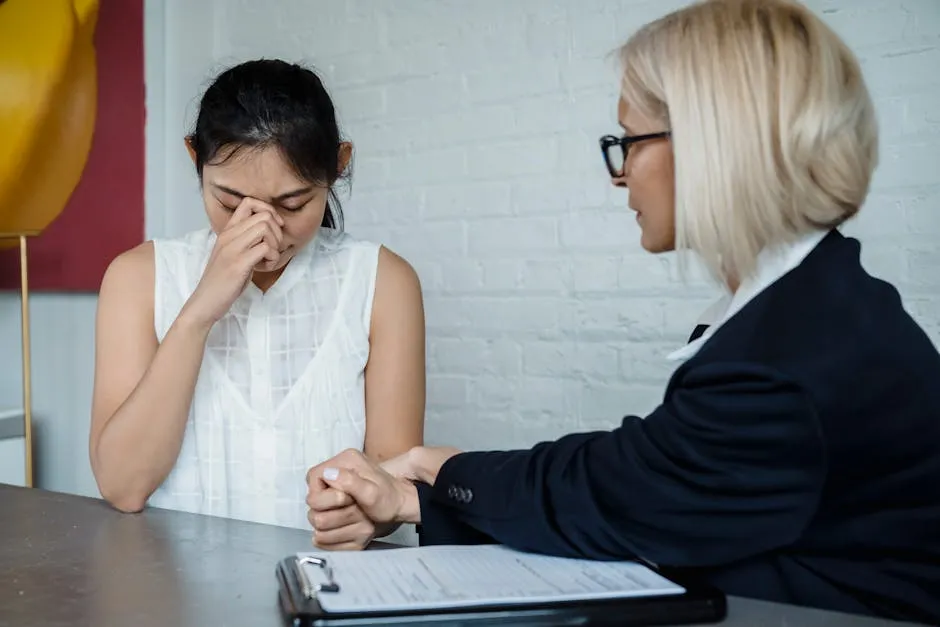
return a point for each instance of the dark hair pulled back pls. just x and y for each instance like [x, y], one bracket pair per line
[269, 102]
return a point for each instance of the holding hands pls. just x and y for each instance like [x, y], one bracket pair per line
[353, 499]
[340, 523]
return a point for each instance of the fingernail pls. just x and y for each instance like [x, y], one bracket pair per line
[331, 474]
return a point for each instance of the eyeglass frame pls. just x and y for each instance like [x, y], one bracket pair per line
[609, 141]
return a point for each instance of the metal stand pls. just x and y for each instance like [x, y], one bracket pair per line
[24, 333]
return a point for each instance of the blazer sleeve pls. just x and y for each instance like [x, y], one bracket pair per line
[438, 526]
[730, 465]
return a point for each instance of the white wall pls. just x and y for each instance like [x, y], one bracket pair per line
[476, 126]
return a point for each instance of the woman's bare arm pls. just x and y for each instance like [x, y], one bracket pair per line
[395, 374]
[143, 390]
[395, 402]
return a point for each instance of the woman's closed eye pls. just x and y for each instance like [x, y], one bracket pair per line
[227, 206]
[228, 202]
[293, 207]
[296, 201]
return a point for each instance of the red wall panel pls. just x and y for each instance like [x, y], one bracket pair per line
[105, 214]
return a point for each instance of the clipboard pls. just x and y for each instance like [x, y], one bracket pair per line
[701, 603]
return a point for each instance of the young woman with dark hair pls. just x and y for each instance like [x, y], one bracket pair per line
[232, 359]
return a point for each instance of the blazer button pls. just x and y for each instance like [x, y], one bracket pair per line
[452, 492]
[468, 496]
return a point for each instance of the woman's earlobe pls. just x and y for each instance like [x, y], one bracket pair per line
[188, 140]
[345, 156]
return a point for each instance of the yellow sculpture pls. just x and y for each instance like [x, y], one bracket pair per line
[48, 98]
[48, 94]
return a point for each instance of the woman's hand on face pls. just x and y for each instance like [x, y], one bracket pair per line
[338, 521]
[382, 497]
[253, 234]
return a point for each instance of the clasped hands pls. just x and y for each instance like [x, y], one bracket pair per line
[352, 499]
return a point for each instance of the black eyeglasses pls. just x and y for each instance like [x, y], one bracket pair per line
[614, 159]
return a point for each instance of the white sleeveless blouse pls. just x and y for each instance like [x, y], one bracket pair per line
[281, 386]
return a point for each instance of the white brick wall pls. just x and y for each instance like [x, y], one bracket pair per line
[475, 123]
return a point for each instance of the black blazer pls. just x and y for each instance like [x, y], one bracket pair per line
[794, 458]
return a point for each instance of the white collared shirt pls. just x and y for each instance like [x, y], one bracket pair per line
[772, 264]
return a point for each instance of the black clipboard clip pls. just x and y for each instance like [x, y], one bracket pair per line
[308, 588]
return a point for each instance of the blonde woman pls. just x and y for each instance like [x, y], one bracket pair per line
[796, 454]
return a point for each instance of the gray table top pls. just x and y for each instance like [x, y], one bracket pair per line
[72, 561]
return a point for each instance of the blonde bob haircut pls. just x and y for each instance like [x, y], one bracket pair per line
[773, 129]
